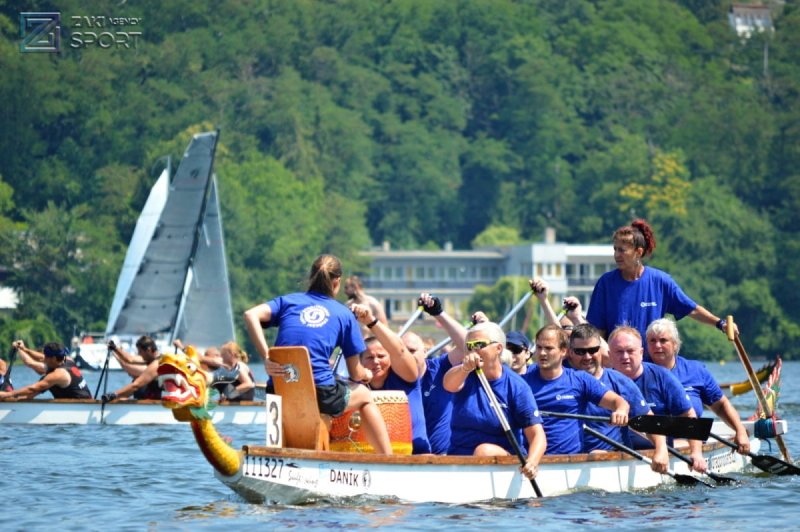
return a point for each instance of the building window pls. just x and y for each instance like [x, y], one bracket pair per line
[387, 272]
[539, 270]
[420, 273]
[558, 270]
[452, 273]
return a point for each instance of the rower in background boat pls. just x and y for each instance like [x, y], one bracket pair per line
[143, 367]
[587, 349]
[64, 381]
[5, 384]
[664, 344]
[563, 390]
[393, 368]
[238, 384]
[662, 390]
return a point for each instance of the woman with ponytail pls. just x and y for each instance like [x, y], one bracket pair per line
[314, 319]
[635, 294]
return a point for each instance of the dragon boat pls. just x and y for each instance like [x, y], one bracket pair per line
[304, 465]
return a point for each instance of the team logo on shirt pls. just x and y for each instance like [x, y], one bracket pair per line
[645, 304]
[314, 316]
[565, 397]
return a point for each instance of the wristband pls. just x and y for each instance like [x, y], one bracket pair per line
[721, 324]
[372, 324]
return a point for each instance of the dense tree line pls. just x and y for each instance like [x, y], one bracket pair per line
[349, 122]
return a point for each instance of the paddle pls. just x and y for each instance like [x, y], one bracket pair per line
[691, 428]
[501, 323]
[684, 480]
[506, 427]
[104, 380]
[719, 479]
[751, 374]
[765, 462]
[12, 356]
[404, 329]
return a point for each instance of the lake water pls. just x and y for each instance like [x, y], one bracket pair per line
[154, 478]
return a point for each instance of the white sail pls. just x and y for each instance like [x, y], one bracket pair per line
[178, 286]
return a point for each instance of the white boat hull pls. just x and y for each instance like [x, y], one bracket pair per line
[91, 412]
[292, 476]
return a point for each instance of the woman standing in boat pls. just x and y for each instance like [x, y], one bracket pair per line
[635, 294]
[314, 319]
[475, 428]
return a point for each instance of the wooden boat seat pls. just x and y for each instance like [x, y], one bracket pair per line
[303, 425]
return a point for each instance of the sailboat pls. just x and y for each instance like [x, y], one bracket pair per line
[174, 281]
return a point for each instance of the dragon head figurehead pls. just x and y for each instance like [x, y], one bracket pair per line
[185, 390]
[184, 385]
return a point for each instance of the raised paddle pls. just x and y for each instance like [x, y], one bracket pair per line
[404, 329]
[684, 480]
[692, 428]
[765, 462]
[751, 374]
[506, 427]
[501, 323]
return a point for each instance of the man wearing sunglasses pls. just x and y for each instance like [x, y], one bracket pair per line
[563, 390]
[586, 351]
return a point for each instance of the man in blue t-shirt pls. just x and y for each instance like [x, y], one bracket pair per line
[586, 351]
[663, 392]
[562, 390]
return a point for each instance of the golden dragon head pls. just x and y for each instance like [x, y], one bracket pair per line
[184, 384]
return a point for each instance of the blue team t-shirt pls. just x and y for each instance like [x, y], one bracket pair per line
[474, 422]
[413, 391]
[320, 323]
[697, 381]
[569, 393]
[664, 394]
[655, 294]
[437, 403]
[624, 387]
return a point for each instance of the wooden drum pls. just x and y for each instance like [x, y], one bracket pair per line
[347, 432]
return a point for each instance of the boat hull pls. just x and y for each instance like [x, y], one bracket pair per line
[91, 412]
[292, 476]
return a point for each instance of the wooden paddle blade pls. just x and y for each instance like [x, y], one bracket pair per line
[774, 465]
[678, 427]
[689, 480]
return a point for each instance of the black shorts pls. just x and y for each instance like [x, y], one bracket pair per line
[332, 400]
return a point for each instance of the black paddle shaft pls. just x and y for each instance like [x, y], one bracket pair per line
[764, 462]
[685, 480]
[713, 476]
[12, 356]
[678, 427]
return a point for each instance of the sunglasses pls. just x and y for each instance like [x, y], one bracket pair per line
[515, 349]
[477, 345]
[581, 351]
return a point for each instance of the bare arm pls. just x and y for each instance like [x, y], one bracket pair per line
[541, 290]
[253, 320]
[358, 372]
[538, 443]
[696, 448]
[727, 413]
[59, 377]
[457, 332]
[456, 376]
[147, 376]
[619, 408]
[703, 315]
[245, 382]
[32, 359]
[403, 363]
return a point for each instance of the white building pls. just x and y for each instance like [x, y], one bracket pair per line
[396, 278]
[747, 19]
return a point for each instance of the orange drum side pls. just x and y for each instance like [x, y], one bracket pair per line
[347, 432]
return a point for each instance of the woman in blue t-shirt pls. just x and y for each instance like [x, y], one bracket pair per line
[635, 295]
[314, 319]
[475, 428]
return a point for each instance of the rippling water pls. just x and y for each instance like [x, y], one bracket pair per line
[154, 478]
